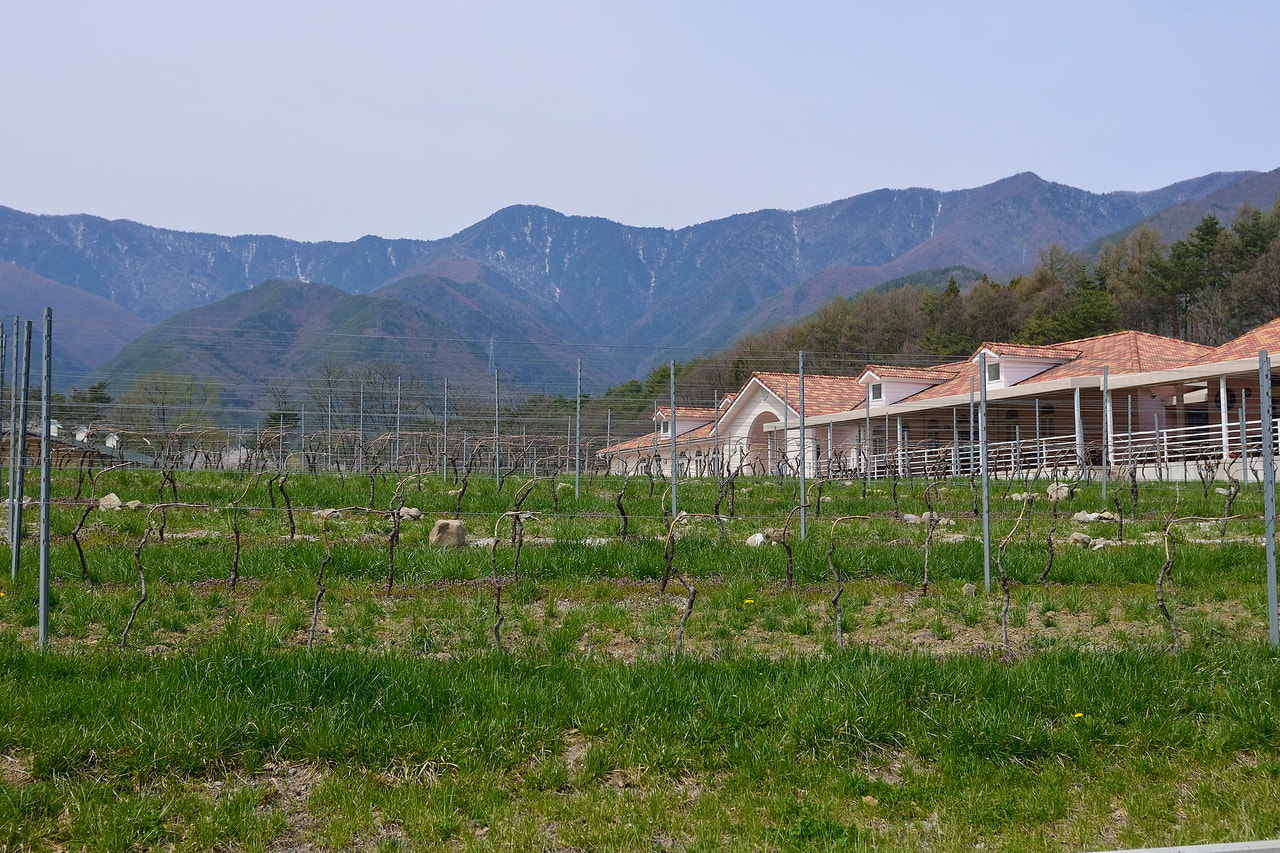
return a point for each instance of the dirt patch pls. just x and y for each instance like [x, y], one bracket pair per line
[13, 770]
[291, 786]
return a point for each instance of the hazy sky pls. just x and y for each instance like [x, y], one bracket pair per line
[322, 120]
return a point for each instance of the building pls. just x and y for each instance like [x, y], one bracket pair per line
[1130, 398]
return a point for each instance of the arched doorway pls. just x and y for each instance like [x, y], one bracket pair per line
[757, 446]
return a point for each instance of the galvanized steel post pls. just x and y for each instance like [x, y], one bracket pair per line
[1269, 489]
[674, 503]
[986, 483]
[20, 480]
[46, 416]
[577, 435]
[804, 451]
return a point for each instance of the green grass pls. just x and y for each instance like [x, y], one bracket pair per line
[786, 749]
[406, 730]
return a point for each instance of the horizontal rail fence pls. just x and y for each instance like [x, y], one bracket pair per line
[1185, 453]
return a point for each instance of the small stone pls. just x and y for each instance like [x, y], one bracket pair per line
[1080, 540]
[1083, 517]
[326, 513]
[1059, 491]
[870, 800]
[969, 590]
[109, 501]
[410, 513]
[133, 505]
[911, 518]
[448, 533]
[755, 540]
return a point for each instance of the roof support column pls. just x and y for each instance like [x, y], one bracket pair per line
[1222, 417]
[866, 447]
[1079, 431]
[1108, 432]
[1109, 416]
[955, 443]
[902, 451]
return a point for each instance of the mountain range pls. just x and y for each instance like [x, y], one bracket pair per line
[531, 290]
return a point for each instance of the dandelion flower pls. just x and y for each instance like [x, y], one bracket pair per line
[744, 601]
[1079, 715]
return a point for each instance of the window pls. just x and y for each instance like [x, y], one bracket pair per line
[666, 427]
[993, 371]
[877, 391]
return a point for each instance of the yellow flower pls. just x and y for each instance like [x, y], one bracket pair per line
[744, 601]
[1079, 715]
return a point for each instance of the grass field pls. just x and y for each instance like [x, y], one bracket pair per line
[410, 726]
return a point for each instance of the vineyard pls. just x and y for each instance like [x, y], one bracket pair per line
[277, 659]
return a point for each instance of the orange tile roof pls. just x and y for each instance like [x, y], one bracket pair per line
[639, 442]
[926, 374]
[1030, 351]
[961, 372]
[691, 412]
[1123, 353]
[661, 443]
[1119, 352]
[823, 395]
[1265, 337]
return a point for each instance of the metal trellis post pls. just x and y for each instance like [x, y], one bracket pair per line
[986, 483]
[1269, 489]
[674, 479]
[804, 452]
[46, 398]
[20, 481]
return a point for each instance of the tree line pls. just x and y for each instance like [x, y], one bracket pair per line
[1215, 284]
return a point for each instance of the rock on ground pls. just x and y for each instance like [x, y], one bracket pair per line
[448, 533]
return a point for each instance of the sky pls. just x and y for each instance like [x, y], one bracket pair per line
[327, 121]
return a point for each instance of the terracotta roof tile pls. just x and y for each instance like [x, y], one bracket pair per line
[691, 412]
[961, 372]
[662, 443]
[1265, 337]
[926, 374]
[1057, 352]
[1123, 353]
[639, 442]
[1120, 353]
[823, 395]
